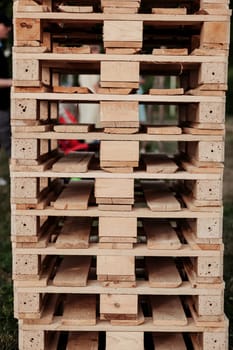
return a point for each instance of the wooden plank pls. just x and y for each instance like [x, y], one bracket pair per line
[71, 89]
[167, 311]
[75, 195]
[170, 52]
[75, 9]
[77, 128]
[83, 341]
[159, 197]
[171, 341]
[179, 91]
[169, 11]
[160, 235]
[159, 163]
[162, 272]
[124, 340]
[73, 271]
[73, 162]
[84, 49]
[79, 310]
[163, 130]
[75, 233]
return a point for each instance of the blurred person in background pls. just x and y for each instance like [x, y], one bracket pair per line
[5, 84]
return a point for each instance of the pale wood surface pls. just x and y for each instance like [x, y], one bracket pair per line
[73, 271]
[79, 310]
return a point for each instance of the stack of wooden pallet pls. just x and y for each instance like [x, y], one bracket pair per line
[131, 254]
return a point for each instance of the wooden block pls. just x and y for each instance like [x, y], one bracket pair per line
[26, 264]
[114, 188]
[215, 33]
[212, 73]
[24, 188]
[206, 189]
[209, 340]
[26, 70]
[83, 341]
[165, 341]
[27, 29]
[160, 235]
[24, 225]
[73, 271]
[167, 311]
[205, 151]
[118, 306]
[207, 267]
[75, 233]
[207, 227]
[159, 197]
[24, 109]
[124, 340]
[122, 31]
[31, 339]
[28, 303]
[122, 266]
[25, 149]
[73, 162]
[114, 227]
[75, 195]
[79, 310]
[111, 71]
[163, 273]
[209, 305]
[119, 114]
[159, 163]
[114, 153]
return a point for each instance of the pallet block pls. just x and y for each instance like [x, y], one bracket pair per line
[117, 227]
[123, 34]
[114, 191]
[119, 75]
[215, 34]
[29, 340]
[206, 152]
[213, 112]
[118, 307]
[27, 30]
[27, 305]
[119, 154]
[119, 114]
[210, 340]
[115, 268]
[207, 229]
[205, 190]
[26, 227]
[26, 266]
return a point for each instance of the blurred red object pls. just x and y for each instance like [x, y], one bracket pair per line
[67, 146]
